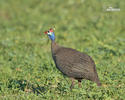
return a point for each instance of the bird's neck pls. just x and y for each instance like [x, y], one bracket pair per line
[54, 47]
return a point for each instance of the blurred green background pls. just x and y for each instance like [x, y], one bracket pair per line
[27, 71]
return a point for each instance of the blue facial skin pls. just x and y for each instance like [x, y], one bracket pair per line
[52, 36]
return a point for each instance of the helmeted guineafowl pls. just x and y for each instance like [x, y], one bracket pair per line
[73, 63]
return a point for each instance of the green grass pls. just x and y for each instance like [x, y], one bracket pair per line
[27, 71]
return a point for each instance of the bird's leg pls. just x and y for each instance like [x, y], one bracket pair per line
[79, 83]
[73, 83]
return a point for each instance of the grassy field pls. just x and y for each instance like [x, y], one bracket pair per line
[27, 71]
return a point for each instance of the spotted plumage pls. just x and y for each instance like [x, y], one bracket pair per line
[73, 63]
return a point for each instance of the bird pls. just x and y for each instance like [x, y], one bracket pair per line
[72, 63]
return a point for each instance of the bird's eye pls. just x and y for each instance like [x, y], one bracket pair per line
[49, 33]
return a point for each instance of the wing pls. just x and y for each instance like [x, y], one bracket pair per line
[73, 63]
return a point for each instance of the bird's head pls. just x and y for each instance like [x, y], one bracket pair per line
[50, 34]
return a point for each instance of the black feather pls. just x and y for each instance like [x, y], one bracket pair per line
[74, 64]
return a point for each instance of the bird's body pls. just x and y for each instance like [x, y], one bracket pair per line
[74, 64]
